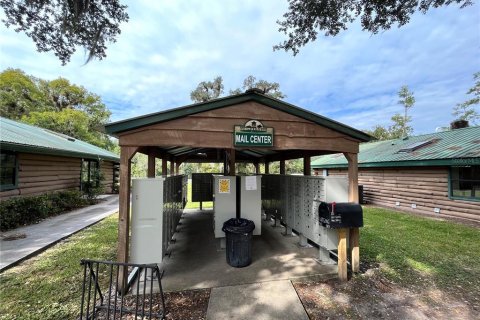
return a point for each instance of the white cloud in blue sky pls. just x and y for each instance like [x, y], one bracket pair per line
[168, 47]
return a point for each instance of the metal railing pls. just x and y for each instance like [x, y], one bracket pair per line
[102, 296]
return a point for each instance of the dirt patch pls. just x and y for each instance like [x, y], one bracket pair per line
[372, 296]
[184, 305]
[188, 304]
[14, 236]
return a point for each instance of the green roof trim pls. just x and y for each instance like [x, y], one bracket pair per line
[456, 147]
[21, 137]
[251, 95]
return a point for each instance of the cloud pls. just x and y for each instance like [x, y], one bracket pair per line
[168, 47]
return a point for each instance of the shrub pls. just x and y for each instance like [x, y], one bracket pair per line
[93, 188]
[17, 212]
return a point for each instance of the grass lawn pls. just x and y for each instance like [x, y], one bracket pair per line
[414, 250]
[411, 251]
[49, 285]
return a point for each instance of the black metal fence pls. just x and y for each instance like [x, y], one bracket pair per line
[102, 296]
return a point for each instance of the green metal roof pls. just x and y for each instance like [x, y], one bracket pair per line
[17, 136]
[454, 147]
[250, 95]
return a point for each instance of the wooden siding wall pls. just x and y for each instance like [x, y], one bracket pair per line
[38, 174]
[106, 168]
[425, 187]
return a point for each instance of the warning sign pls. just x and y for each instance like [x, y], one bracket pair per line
[224, 185]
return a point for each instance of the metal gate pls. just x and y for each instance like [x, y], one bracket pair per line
[101, 298]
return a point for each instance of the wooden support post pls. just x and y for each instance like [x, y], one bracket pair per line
[164, 166]
[126, 154]
[282, 166]
[307, 171]
[177, 168]
[267, 167]
[353, 197]
[231, 164]
[355, 249]
[151, 166]
[257, 167]
[172, 167]
[352, 176]
[342, 254]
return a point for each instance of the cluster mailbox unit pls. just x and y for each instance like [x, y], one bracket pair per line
[314, 207]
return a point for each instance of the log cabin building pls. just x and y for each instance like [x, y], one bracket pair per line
[435, 174]
[36, 161]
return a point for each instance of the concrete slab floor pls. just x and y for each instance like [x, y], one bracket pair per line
[197, 261]
[260, 301]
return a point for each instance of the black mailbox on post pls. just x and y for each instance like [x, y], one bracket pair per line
[340, 215]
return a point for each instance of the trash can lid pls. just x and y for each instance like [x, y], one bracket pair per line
[240, 225]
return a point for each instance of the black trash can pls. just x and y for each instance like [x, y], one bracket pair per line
[239, 241]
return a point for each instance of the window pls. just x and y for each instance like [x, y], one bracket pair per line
[465, 182]
[8, 170]
[90, 172]
[416, 145]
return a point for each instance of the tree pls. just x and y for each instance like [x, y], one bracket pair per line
[400, 126]
[379, 132]
[64, 95]
[19, 94]
[46, 104]
[306, 18]
[468, 109]
[62, 25]
[407, 100]
[208, 90]
[73, 123]
[271, 89]
[398, 129]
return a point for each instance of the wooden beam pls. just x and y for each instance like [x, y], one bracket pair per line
[267, 167]
[342, 254]
[151, 166]
[352, 159]
[126, 154]
[172, 167]
[257, 167]
[307, 170]
[355, 248]
[282, 166]
[231, 164]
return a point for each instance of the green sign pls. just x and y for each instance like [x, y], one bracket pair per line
[253, 134]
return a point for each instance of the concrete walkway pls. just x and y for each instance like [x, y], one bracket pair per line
[261, 301]
[48, 232]
[262, 290]
[197, 261]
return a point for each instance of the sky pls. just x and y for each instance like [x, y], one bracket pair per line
[168, 47]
